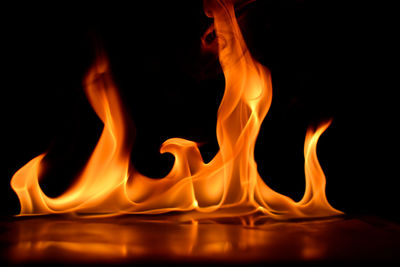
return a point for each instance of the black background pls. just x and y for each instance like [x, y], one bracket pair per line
[328, 60]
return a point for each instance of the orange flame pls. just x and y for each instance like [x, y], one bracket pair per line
[229, 185]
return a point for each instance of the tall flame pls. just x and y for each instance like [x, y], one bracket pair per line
[229, 185]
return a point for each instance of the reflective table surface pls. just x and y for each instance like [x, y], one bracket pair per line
[238, 240]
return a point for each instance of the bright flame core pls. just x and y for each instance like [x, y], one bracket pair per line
[229, 185]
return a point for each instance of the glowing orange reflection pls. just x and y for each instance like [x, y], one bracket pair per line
[123, 239]
[132, 239]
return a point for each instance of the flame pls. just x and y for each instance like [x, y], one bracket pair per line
[229, 185]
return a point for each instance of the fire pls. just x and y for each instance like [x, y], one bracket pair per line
[229, 185]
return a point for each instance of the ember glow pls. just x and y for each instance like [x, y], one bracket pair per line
[229, 185]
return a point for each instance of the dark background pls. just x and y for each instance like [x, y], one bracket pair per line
[328, 60]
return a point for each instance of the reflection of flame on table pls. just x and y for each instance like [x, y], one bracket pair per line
[250, 239]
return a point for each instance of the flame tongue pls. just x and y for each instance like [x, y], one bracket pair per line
[106, 170]
[229, 185]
